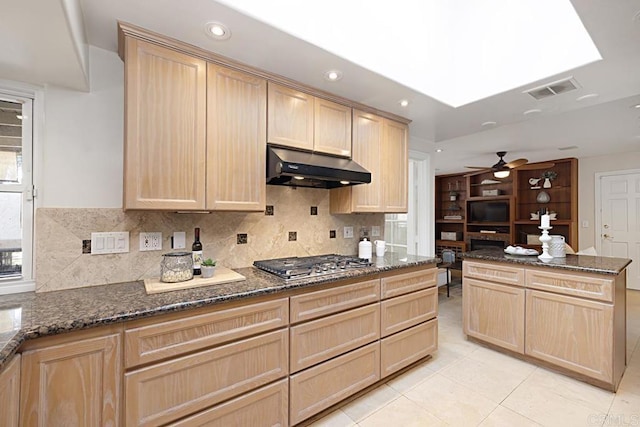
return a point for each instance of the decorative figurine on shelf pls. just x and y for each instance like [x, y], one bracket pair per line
[548, 176]
[453, 195]
[543, 197]
[534, 183]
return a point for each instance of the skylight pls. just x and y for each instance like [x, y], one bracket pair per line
[456, 51]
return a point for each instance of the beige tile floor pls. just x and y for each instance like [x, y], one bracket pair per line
[466, 384]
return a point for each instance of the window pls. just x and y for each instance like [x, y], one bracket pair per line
[16, 193]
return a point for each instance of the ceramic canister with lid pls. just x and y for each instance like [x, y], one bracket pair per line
[364, 249]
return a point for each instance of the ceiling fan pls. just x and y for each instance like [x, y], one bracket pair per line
[502, 169]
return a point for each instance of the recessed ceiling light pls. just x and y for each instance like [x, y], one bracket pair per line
[438, 150]
[636, 106]
[532, 111]
[587, 96]
[489, 123]
[333, 75]
[568, 147]
[217, 31]
[404, 103]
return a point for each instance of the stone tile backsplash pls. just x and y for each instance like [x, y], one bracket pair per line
[60, 263]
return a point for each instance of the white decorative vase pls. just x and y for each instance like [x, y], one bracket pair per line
[547, 183]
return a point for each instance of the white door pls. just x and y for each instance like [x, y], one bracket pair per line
[620, 221]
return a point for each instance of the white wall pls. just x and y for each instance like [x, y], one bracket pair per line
[82, 144]
[587, 168]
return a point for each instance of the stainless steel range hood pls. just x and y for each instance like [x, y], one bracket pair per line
[303, 169]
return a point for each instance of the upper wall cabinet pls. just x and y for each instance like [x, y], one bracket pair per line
[195, 133]
[165, 114]
[236, 140]
[299, 120]
[380, 146]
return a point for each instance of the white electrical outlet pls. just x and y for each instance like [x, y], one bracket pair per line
[151, 241]
[585, 224]
[348, 232]
[375, 231]
[109, 242]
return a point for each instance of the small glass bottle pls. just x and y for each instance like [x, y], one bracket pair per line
[196, 252]
[176, 267]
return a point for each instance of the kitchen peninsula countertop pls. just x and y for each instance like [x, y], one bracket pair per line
[581, 263]
[31, 315]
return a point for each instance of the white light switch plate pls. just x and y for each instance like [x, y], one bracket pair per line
[114, 242]
[179, 240]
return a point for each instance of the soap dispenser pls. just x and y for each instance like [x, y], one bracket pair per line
[364, 249]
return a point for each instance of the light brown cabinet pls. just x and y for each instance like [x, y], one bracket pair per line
[302, 121]
[165, 128]
[380, 145]
[319, 387]
[572, 320]
[494, 313]
[167, 391]
[195, 133]
[236, 140]
[10, 393]
[581, 338]
[74, 379]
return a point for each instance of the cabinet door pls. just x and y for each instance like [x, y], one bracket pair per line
[290, 117]
[494, 313]
[10, 393]
[72, 383]
[395, 167]
[165, 96]
[164, 392]
[367, 146]
[326, 384]
[236, 140]
[570, 332]
[332, 128]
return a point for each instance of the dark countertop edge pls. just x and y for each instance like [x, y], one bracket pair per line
[614, 268]
[10, 347]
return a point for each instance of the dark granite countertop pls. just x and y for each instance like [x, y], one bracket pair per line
[582, 263]
[31, 315]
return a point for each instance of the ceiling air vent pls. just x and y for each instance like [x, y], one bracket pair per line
[554, 88]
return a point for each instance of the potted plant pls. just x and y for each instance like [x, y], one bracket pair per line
[548, 176]
[208, 267]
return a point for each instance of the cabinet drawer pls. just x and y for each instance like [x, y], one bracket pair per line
[267, 406]
[321, 303]
[149, 340]
[494, 313]
[573, 333]
[571, 284]
[500, 273]
[408, 310]
[322, 339]
[170, 390]
[406, 347]
[319, 387]
[400, 284]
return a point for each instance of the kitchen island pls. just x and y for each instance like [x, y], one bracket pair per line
[280, 351]
[568, 314]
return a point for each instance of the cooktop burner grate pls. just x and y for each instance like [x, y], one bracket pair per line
[299, 267]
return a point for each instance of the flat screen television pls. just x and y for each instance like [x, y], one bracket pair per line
[494, 211]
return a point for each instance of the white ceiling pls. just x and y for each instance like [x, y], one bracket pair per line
[601, 125]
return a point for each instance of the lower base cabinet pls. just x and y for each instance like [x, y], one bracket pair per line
[584, 346]
[10, 393]
[267, 406]
[72, 379]
[319, 387]
[182, 386]
[406, 347]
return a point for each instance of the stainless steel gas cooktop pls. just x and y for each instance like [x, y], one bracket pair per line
[311, 266]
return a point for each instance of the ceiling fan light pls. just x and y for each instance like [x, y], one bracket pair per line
[501, 174]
